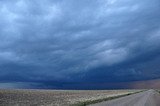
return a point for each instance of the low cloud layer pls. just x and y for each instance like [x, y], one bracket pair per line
[79, 41]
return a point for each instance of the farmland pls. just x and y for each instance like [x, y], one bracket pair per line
[55, 97]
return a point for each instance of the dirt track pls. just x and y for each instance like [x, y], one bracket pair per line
[146, 98]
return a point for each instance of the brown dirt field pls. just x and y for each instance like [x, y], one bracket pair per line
[54, 97]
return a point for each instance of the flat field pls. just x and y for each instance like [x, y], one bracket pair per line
[55, 97]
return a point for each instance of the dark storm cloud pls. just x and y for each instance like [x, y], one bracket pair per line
[104, 41]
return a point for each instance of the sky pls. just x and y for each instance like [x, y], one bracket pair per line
[75, 43]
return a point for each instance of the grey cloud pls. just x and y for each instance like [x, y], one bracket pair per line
[59, 40]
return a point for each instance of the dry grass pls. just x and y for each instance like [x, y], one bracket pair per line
[54, 97]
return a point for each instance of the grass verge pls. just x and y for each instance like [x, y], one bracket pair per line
[88, 102]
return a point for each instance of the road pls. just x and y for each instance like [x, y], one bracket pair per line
[146, 98]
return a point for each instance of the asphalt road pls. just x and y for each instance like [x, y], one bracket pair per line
[146, 98]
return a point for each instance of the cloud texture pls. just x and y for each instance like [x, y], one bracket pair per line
[79, 41]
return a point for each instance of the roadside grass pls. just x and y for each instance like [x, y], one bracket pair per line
[158, 90]
[89, 102]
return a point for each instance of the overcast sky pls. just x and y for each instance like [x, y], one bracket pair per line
[82, 41]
